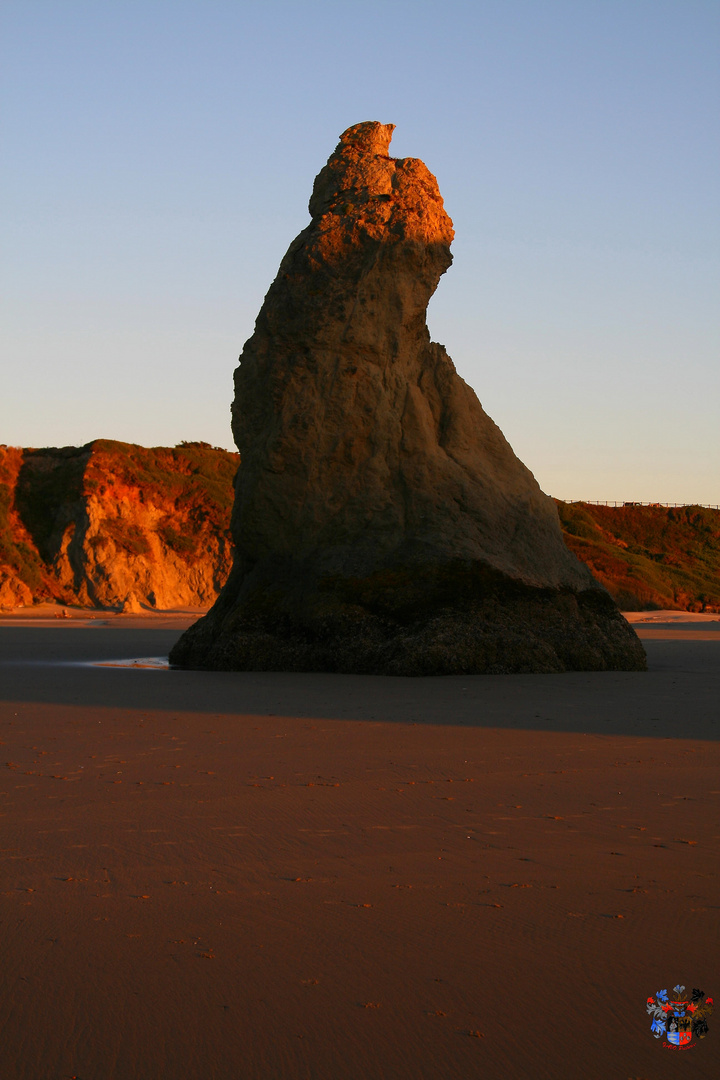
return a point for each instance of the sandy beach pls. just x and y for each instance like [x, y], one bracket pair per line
[265, 876]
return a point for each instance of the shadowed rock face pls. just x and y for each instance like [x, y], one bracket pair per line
[382, 522]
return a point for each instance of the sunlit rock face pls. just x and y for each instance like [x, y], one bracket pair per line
[115, 526]
[382, 522]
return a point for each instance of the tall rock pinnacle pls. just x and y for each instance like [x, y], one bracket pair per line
[382, 522]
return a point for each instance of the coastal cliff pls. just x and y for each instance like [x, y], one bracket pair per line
[648, 556]
[116, 526]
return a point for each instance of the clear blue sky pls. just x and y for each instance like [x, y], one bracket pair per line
[157, 158]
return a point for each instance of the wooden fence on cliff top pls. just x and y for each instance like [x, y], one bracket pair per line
[608, 502]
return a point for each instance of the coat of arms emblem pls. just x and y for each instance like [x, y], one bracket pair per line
[680, 1016]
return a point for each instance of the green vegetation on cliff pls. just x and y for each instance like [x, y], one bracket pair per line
[649, 556]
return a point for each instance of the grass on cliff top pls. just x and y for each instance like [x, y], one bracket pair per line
[193, 474]
[648, 556]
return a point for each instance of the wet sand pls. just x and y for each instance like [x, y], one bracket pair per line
[215, 875]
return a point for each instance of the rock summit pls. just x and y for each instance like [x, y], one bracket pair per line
[382, 522]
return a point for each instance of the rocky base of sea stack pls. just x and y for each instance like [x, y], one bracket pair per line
[392, 624]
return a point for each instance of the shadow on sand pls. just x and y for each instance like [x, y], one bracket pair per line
[676, 698]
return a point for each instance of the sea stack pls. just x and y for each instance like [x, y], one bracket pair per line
[382, 522]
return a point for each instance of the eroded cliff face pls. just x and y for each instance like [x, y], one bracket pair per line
[16, 570]
[111, 525]
[382, 522]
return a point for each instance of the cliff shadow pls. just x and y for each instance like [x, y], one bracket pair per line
[49, 493]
